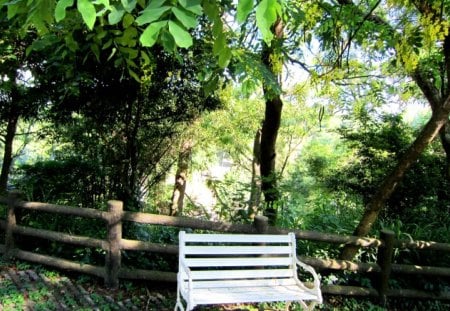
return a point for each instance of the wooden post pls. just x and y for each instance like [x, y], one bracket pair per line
[261, 224]
[114, 232]
[11, 222]
[384, 260]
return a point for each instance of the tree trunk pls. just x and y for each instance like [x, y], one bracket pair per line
[271, 124]
[8, 150]
[255, 190]
[179, 190]
[438, 120]
[444, 135]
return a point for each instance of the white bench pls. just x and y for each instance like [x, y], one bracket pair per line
[241, 268]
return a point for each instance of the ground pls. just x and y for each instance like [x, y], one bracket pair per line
[41, 289]
[30, 287]
[25, 287]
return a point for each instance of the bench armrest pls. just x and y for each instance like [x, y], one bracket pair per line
[311, 270]
[186, 270]
[181, 285]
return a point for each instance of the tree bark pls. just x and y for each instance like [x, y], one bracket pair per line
[270, 127]
[255, 190]
[179, 190]
[438, 120]
[434, 98]
[11, 129]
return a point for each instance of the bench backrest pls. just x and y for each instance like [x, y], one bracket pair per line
[238, 258]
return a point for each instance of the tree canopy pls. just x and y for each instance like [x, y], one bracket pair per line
[355, 52]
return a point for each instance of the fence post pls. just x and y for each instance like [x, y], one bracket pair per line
[114, 237]
[13, 198]
[384, 260]
[261, 224]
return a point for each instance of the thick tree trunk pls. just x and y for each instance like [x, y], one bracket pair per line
[269, 135]
[434, 97]
[255, 190]
[8, 151]
[271, 124]
[438, 120]
[179, 190]
[444, 135]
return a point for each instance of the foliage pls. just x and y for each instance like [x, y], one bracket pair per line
[125, 84]
[151, 261]
[232, 194]
[127, 127]
[20, 97]
[60, 181]
[377, 147]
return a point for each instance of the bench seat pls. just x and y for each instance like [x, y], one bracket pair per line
[225, 295]
[236, 268]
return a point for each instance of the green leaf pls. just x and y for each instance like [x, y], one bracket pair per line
[88, 13]
[153, 4]
[128, 20]
[218, 28]
[107, 44]
[13, 9]
[96, 50]
[116, 14]
[130, 53]
[186, 18]
[211, 10]
[129, 5]
[211, 85]
[128, 38]
[149, 16]
[104, 2]
[145, 58]
[60, 9]
[113, 52]
[101, 34]
[182, 38]
[219, 44]
[224, 57]
[70, 42]
[192, 5]
[243, 9]
[266, 15]
[134, 75]
[150, 34]
[168, 42]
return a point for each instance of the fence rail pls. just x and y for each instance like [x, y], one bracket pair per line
[114, 243]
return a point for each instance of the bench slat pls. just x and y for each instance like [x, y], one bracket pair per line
[236, 238]
[238, 262]
[241, 274]
[236, 250]
[243, 283]
[248, 295]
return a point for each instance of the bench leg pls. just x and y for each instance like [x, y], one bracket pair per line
[309, 307]
[287, 305]
[179, 306]
[312, 305]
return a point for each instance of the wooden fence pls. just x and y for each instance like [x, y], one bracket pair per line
[113, 244]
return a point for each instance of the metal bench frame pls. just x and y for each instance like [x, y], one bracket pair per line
[241, 268]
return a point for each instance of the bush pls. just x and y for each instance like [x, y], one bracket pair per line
[70, 181]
